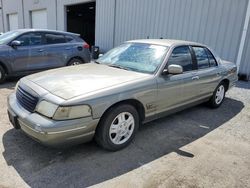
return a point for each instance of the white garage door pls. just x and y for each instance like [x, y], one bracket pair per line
[39, 19]
[13, 21]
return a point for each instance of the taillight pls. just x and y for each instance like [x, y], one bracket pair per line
[86, 46]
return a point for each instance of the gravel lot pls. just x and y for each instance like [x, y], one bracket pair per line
[198, 147]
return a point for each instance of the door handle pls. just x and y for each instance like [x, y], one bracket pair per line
[41, 50]
[67, 48]
[195, 78]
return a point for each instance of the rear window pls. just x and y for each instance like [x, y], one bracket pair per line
[69, 38]
[51, 38]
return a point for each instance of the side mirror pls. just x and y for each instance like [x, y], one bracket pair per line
[100, 55]
[174, 69]
[15, 43]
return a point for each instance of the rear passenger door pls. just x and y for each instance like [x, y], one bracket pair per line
[206, 74]
[58, 50]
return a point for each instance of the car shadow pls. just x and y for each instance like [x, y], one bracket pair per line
[87, 164]
[9, 83]
[243, 84]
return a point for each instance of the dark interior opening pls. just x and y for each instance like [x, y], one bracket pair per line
[81, 19]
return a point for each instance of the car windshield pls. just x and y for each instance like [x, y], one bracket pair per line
[138, 57]
[8, 36]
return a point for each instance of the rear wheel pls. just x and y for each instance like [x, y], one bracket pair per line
[117, 128]
[218, 96]
[2, 74]
[75, 61]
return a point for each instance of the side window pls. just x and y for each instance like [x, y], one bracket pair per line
[181, 56]
[211, 58]
[202, 58]
[51, 38]
[69, 38]
[30, 39]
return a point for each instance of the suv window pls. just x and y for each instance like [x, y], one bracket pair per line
[69, 38]
[202, 58]
[30, 39]
[52, 38]
[181, 56]
[211, 58]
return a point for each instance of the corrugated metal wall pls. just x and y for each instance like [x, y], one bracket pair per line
[245, 61]
[216, 23]
[104, 31]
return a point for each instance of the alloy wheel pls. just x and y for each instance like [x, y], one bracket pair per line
[122, 128]
[220, 93]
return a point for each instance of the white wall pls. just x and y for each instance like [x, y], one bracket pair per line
[39, 19]
[12, 7]
[12, 21]
[37, 5]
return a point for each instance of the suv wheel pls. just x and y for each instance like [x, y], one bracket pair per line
[2, 74]
[118, 127]
[75, 61]
[218, 96]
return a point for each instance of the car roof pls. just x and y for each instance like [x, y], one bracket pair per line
[45, 30]
[165, 42]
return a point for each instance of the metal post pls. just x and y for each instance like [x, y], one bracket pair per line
[243, 37]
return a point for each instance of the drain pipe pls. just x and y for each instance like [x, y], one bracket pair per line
[243, 37]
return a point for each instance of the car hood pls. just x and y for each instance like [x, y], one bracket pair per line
[73, 81]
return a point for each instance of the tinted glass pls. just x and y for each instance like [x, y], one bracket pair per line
[137, 57]
[30, 39]
[52, 38]
[8, 36]
[69, 38]
[181, 56]
[202, 58]
[211, 58]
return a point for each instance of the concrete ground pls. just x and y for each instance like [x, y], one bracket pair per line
[198, 147]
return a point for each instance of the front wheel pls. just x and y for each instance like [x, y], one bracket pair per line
[218, 96]
[117, 128]
[75, 61]
[2, 74]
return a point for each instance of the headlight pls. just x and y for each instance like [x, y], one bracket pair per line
[62, 113]
[72, 112]
[46, 108]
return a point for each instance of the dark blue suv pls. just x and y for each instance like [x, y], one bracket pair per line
[26, 51]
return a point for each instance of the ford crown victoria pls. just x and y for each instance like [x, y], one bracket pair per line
[109, 99]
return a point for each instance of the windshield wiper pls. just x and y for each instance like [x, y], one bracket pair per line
[96, 62]
[118, 66]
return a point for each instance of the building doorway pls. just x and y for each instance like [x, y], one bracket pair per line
[81, 19]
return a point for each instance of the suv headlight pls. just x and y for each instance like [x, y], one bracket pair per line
[63, 112]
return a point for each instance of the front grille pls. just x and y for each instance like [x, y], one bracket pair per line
[26, 100]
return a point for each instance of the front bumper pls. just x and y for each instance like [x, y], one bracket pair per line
[50, 132]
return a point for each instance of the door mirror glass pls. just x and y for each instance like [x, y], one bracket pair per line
[174, 69]
[15, 43]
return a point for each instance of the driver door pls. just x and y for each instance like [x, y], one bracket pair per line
[30, 55]
[172, 88]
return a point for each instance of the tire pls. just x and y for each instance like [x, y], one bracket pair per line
[113, 135]
[75, 61]
[2, 74]
[218, 96]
